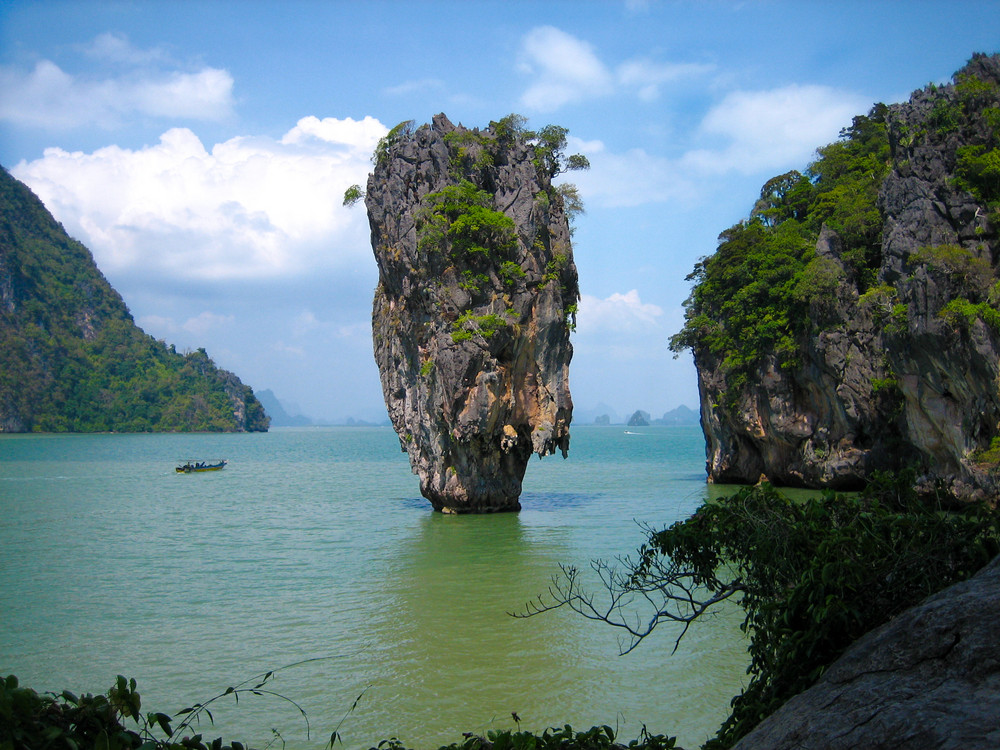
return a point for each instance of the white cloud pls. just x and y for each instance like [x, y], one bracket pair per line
[207, 321]
[306, 323]
[638, 6]
[145, 83]
[251, 208]
[157, 323]
[357, 134]
[421, 86]
[773, 129]
[116, 48]
[200, 325]
[619, 313]
[632, 178]
[751, 132]
[566, 70]
[648, 77]
[206, 95]
[281, 348]
[747, 132]
[48, 97]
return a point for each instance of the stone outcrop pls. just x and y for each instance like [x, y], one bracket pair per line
[639, 418]
[475, 302]
[927, 680]
[903, 371]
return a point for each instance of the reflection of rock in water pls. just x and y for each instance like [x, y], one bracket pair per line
[472, 313]
[457, 656]
[549, 501]
[449, 658]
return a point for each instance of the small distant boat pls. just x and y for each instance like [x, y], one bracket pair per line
[192, 467]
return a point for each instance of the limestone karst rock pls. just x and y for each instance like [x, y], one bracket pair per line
[896, 363]
[639, 418]
[474, 306]
[929, 679]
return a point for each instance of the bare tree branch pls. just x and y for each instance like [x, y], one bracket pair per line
[635, 596]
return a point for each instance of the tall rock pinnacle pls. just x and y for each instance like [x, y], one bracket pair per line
[475, 303]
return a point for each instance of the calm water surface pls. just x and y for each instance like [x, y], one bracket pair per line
[314, 544]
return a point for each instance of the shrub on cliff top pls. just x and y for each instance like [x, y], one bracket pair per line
[460, 220]
[390, 139]
[752, 298]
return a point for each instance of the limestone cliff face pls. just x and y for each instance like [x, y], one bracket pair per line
[902, 370]
[473, 310]
[928, 679]
[823, 424]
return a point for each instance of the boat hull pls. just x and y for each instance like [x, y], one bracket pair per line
[200, 466]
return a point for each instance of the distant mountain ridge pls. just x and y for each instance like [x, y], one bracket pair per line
[72, 358]
[681, 415]
[278, 414]
[604, 414]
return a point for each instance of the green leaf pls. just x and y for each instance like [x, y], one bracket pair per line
[163, 721]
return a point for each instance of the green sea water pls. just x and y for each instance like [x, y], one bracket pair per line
[315, 546]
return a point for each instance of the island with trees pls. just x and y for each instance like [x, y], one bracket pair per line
[476, 299]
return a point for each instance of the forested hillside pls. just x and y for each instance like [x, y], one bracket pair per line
[71, 357]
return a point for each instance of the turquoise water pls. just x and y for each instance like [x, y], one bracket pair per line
[314, 544]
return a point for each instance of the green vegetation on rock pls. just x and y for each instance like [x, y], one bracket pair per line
[390, 139]
[974, 114]
[755, 295]
[71, 357]
[461, 222]
[486, 325]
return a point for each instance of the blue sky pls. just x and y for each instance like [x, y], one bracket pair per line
[201, 150]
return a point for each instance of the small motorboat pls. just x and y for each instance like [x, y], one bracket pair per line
[192, 467]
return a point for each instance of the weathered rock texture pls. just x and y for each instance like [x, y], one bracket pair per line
[927, 680]
[892, 378]
[471, 320]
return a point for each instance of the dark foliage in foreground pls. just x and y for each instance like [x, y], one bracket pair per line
[595, 738]
[114, 721]
[812, 577]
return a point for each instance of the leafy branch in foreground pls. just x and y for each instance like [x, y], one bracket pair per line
[812, 576]
[565, 738]
[40, 722]
[30, 720]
